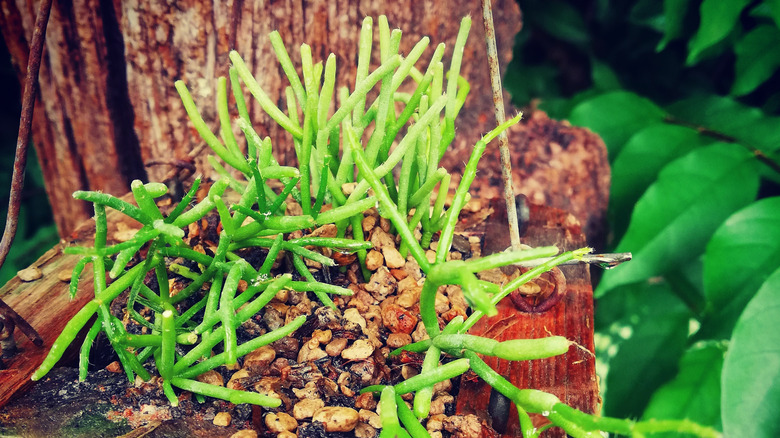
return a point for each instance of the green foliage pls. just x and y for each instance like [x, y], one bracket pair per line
[685, 95]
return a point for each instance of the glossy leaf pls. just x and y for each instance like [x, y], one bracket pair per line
[739, 257]
[616, 116]
[757, 59]
[638, 164]
[656, 327]
[748, 125]
[674, 14]
[718, 19]
[751, 371]
[695, 392]
[676, 216]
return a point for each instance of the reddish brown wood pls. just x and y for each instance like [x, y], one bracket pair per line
[571, 377]
[107, 103]
[46, 305]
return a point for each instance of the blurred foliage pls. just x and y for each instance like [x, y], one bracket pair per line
[686, 95]
[36, 232]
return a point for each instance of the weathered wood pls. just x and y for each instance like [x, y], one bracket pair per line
[46, 305]
[572, 376]
[107, 103]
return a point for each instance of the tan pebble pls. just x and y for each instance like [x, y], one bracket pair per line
[398, 340]
[463, 425]
[370, 417]
[353, 315]
[442, 303]
[307, 407]
[363, 430]
[280, 422]
[222, 419]
[30, 274]
[374, 260]
[281, 296]
[380, 239]
[267, 386]
[368, 223]
[348, 188]
[287, 434]
[114, 367]
[232, 366]
[381, 283]
[393, 258]
[409, 297]
[420, 333]
[322, 336]
[435, 422]
[413, 268]
[360, 349]
[408, 371]
[309, 390]
[436, 434]
[431, 256]
[235, 382]
[307, 353]
[384, 224]
[260, 357]
[337, 418]
[212, 378]
[336, 346]
[244, 433]
[64, 275]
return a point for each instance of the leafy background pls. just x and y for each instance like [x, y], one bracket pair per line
[686, 95]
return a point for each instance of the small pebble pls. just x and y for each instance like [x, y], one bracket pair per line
[287, 434]
[64, 275]
[307, 407]
[260, 357]
[222, 419]
[398, 340]
[30, 274]
[374, 260]
[114, 367]
[337, 418]
[244, 433]
[280, 422]
[393, 258]
[336, 346]
[235, 382]
[360, 349]
[370, 417]
[212, 378]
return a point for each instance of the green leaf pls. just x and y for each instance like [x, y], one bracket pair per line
[676, 216]
[638, 164]
[616, 116]
[751, 371]
[654, 332]
[694, 393]
[757, 59]
[674, 14]
[718, 19]
[774, 5]
[739, 257]
[748, 125]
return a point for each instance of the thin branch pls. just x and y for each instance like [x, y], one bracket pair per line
[20, 161]
[498, 101]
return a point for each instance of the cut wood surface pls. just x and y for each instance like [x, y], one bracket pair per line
[572, 376]
[46, 304]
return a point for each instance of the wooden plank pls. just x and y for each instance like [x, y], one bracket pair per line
[571, 377]
[46, 305]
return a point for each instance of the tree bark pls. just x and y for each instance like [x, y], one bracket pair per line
[107, 103]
